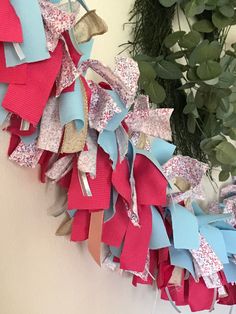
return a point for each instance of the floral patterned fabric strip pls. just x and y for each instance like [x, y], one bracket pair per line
[56, 22]
[153, 122]
[26, 155]
[51, 130]
[206, 259]
[102, 107]
[115, 81]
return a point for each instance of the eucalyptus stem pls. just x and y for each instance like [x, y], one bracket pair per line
[178, 17]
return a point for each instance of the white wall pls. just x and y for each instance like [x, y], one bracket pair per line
[43, 274]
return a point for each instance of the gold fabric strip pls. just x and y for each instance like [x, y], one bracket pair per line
[74, 140]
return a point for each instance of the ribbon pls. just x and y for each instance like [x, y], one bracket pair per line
[95, 235]
[84, 184]
[19, 51]
[214, 301]
[171, 300]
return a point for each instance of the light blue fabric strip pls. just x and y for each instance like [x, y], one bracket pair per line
[230, 240]
[31, 138]
[185, 228]
[197, 209]
[182, 258]
[71, 107]
[107, 140]
[3, 112]
[84, 5]
[109, 214]
[86, 50]
[159, 237]
[162, 150]
[207, 219]
[216, 240]
[131, 154]
[204, 219]
[230, 272]
[34, 46]
[72, 212]
[222, 225]
[116, 251]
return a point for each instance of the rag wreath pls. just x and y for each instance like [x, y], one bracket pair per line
[109, 152]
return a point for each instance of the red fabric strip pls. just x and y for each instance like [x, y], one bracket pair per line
[15, 124]
[10, 26]
[14, 142]
[136, 244]
[152, 268]
[114, 229]
[13, 75]
[80, 226]
[151, 185]
[120, 180]
[28, 101]
[200, 297]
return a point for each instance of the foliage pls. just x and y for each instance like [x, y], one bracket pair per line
[149, 29]
[198, 58]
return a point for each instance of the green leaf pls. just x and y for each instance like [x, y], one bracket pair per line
[192, 75]
[176, 55]
[209, 70]
[211, 2]
[191, 124]
[190, 40]
[209, 144]
[142, 57]
[232, 134]
[194, 7]
[147, 71]
[167, 3]
[224, 175]
[221, 21]
[212, 82]
[226, 79]
[211, 102]
[234, 46]
[221, 2]
[200, 98]
[194, 54]
[203, 26]
[190, 107]
[173, 38]
[168, 70]
[210, 52]
[223, 92]
[205, 51]
[155, 91]
[230, 121]
[227, 10]
[225, 109]
[233, 171]
[187, 85]
[230, 53]
[226, 153]
[211, 124]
